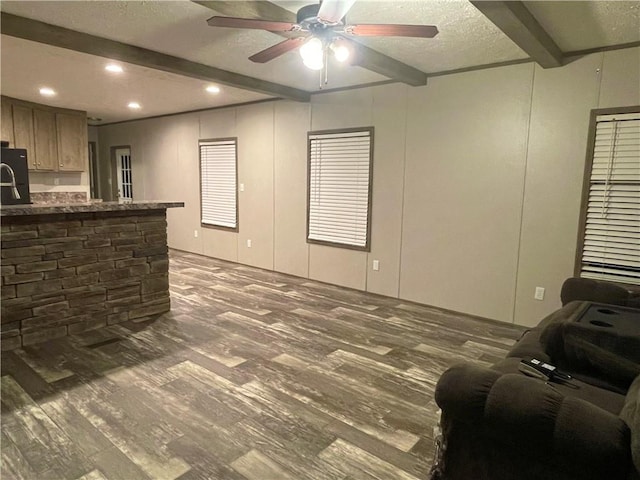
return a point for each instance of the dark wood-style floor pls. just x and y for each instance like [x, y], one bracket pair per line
[252, 375]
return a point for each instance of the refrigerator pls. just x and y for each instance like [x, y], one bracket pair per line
[14, 176]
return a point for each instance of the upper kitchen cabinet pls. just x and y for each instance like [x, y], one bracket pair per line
[72, 142]
[23, 131]
[46, 142]
[55, 138]
[6, 123]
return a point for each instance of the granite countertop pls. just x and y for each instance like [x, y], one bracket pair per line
[46, 209]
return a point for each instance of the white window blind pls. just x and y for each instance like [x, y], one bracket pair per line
[611, 248]
[218, 180]
[339, 187]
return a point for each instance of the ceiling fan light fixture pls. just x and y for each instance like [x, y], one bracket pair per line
[314, 64]
[340, 51]
[312, 53]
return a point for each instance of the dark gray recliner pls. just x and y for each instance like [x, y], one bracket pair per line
[498, 424]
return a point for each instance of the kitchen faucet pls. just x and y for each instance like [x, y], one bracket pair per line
[14, 187]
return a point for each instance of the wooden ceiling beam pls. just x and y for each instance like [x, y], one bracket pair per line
[364, 57]
[41, 32]
[517, 23]
[382, 64]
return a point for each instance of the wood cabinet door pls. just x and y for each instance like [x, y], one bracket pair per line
[46, 145]
[23, 132]
[6, 123]
[72, 142]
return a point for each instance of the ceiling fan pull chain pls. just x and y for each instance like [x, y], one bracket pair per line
[326, 64]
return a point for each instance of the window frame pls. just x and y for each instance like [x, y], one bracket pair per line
[586, 186]
[371, 131]
[209, 225]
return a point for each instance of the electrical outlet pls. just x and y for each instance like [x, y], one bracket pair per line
[242, 187]
[56, 181]
[195, 233]
[376, 265]
[539, 295]
[248, 243]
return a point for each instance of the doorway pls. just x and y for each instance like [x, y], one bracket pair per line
[123, 168]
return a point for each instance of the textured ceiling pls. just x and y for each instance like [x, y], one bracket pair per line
[179, 28]
[466, 38]
[584, 25]
[82, 83]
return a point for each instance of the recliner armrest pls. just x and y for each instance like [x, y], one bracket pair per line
[532, 413]
[599, 291]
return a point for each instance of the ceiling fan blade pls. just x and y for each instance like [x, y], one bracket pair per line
[332, 11]
[270, 26]
[248, 9]
[421, 31]
[276, 50]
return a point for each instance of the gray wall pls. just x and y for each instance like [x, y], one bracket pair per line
[476, 186]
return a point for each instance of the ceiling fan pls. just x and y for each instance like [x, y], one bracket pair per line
[320, 29]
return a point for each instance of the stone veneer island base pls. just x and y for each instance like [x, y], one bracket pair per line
[71, 268]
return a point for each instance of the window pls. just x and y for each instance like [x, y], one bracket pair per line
[609, 246]
[340, 170]
[218, 183]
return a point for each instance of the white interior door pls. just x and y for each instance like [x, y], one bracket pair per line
[125, 182]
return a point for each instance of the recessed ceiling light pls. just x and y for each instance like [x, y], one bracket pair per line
[47, 92]
[112, 67]
[134, 105]
[213, 89]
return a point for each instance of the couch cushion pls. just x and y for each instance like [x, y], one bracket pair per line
[601, 397]
[630, 414]
[523, 428]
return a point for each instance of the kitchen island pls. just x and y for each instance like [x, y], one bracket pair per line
[76, 267]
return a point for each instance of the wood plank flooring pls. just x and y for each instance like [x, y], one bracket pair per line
[253, 375]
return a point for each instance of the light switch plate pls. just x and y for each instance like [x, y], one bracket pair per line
[539, 295]
[376, 265]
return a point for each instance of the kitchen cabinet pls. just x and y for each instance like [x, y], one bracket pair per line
[23, 131]
[46, 141]
[6, 123]
[55, 138]
[72, 142]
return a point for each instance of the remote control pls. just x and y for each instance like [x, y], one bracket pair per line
[539, 369]
[530, 370]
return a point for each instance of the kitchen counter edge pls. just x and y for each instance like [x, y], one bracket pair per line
[89, 207]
